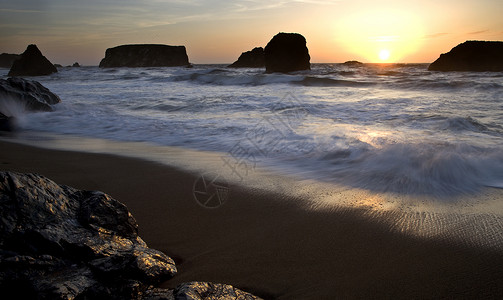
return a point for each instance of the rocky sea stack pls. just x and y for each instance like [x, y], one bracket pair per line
[146, 55]
[7, 60]
[287, 52]
[32, 63]
[57, 242]
[250, 59]
[474, 56]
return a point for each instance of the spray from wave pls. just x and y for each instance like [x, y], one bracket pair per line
[420, 169]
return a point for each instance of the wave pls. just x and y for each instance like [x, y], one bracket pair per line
[324, 81]
[463, 124]
[420, 169]
[456, 124]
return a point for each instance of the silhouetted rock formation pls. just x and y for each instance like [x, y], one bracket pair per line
[250, 59]
[19, 95]
[76, 65]
[478, 56]
[58, 66]
[32, 63]
[6, 60]
[286, 52]
[57, 242]
[353, 63]
[145, 56]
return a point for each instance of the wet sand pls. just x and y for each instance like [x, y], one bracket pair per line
[272, 245]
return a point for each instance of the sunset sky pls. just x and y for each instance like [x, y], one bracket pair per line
[217, 31]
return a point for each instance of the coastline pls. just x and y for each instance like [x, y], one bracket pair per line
[268, 243]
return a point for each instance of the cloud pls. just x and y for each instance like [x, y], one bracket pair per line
[435, 35]
[477, 32]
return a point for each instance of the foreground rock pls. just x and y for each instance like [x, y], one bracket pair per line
[199, 291]
[147, 55]
[287, 52]
[57, 242]
[62, 243]
[475, 56]
[32, 63]
[250, 59]
[18, 95]
[6, 60]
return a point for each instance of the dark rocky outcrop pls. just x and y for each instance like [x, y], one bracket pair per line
[63, 243]
[475, 56]
[287, 52]
[250, 59]
[6, 60]
[25, 95]
[147, 55]
[57, 242]
[32, 63]
[76, 65]
[353, 63]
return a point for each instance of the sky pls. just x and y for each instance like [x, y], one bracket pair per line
[217, 31]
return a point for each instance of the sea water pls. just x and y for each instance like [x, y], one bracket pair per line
[383, 128]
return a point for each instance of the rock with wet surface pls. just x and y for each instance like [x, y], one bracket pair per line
[200, 291]
[18, 95]
[58, 242]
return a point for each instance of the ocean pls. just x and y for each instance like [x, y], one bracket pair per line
[395, 128]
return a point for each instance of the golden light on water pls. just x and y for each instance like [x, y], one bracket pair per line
[380, 36]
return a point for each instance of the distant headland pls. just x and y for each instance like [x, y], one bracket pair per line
[474, 56]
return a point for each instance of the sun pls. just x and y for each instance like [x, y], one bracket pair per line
[384, 54]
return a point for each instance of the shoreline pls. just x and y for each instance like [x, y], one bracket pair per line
[271, 244]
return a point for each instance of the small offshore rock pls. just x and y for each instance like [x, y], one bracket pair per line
[353, 63]
[32, 63]
[250, 59]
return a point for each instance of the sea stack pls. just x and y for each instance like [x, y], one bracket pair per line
[6, 60]
[145, 55]
[250, 59]
[286, 52]
[32, 63]
[474, 56]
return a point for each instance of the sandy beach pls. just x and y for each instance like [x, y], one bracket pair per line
[269, 244]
